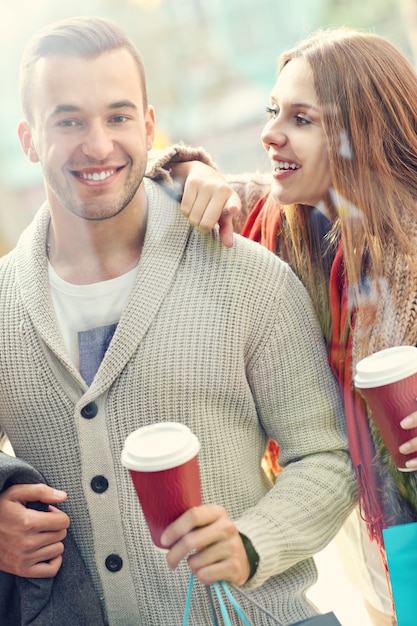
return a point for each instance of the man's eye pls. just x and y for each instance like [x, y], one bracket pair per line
[272, 112]
[119, 119]
[67, 123]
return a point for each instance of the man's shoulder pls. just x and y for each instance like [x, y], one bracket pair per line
[247, 264]
[7, 262]
[26, 241]
[253, 253]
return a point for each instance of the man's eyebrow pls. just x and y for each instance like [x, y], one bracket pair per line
[71, 108]
[64, 108]
[121, 104]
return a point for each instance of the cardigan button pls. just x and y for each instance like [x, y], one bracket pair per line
[99, 484]
[89, 411]
[114, 563]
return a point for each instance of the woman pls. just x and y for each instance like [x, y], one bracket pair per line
[353, 150]
[342, 137]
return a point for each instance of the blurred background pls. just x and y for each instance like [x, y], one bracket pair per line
[210, 67]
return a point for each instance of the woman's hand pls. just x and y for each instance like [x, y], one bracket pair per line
[410, 447]
[210, 541]
[207, 199]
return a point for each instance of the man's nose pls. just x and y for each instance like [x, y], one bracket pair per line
[97, 143]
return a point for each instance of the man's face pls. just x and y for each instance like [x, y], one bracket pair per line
[90, 132]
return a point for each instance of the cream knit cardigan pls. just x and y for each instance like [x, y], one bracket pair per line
[205, 341]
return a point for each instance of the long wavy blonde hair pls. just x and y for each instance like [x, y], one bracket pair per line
[307, 244]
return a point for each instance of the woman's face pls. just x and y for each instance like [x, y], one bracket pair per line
[294, 138]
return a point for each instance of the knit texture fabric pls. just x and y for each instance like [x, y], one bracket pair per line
[205, 341]
[387, 318]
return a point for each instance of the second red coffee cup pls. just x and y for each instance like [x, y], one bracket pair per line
[388, 381]
[162, 460]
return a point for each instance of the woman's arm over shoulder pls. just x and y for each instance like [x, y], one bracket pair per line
[208, 195]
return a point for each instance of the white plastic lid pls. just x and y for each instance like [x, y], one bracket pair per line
[159, 447]
[386, 366]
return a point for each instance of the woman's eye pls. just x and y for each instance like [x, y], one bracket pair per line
[302, 121]
[272, 112]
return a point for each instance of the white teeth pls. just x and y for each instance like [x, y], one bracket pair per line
[96, 175]
[284, 165]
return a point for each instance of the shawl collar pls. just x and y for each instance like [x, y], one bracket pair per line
[166, 237]
[33, 281]
[165, 241]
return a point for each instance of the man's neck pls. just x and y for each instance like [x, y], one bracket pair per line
[91, 252]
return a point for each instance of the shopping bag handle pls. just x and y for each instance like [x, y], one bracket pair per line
[218, 588]
[222, 588]
[232, 601]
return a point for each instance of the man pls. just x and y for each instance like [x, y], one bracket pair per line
[117, 314]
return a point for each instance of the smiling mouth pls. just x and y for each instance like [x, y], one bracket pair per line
[96, 176]
[284, 166]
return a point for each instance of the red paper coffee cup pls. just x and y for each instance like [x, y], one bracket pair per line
[388, 382]
[162, 460]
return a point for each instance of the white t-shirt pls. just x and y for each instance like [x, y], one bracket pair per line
[88, 316]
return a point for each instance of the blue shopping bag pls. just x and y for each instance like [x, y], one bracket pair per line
[401, 550]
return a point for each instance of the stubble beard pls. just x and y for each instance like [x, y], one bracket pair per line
[97, 208]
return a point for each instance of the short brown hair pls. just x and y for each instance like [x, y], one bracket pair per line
[78, 36]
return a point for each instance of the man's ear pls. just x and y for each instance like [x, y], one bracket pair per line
[26, 141]
[150, 127]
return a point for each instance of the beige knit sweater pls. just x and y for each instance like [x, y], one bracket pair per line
[204, 341]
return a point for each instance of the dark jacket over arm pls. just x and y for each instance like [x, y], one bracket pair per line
[68, 599]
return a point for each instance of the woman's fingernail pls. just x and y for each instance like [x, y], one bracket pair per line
[405, 447]
[412, 463]
[163, 539]
[407, 421]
